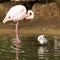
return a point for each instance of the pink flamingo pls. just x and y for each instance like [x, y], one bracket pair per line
[16, 13]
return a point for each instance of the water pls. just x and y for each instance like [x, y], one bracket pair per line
[30, 48]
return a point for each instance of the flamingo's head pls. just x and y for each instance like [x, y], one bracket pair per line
[30, 15]
[7, 18]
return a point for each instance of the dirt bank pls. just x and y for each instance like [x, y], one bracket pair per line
[46, 21]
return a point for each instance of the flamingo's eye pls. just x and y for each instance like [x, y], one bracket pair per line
[9, 17]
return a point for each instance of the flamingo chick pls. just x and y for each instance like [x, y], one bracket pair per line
[18, 12]
[42, 39]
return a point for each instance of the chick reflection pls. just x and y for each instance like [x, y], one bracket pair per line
[42, 50]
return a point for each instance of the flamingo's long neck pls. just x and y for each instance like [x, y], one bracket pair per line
[17, 40]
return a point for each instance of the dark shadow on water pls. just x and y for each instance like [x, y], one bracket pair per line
[30, 48]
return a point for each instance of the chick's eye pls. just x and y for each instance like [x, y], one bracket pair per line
[9, 17]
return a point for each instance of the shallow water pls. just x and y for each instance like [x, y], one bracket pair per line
[30, 48]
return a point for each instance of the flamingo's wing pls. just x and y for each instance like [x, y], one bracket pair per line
[17, 13]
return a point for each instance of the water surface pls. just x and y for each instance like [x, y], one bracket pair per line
[30, 48]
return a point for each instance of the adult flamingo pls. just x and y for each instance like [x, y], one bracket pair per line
[18, 12]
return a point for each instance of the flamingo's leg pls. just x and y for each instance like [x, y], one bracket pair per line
[17, 40]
